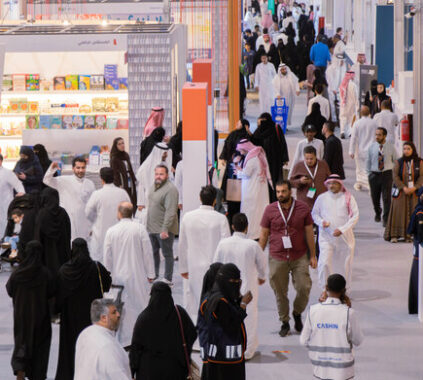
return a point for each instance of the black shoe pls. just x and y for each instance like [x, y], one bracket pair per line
[377, 218]
[284, 329]
[298, 322]
[342, 136]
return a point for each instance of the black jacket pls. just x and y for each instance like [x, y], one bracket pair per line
[334, 156]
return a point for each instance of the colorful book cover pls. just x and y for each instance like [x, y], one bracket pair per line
[89, 122]
[32, 122]
[111, 123]
[56, 122]
[32, 82]
[97, 82]
[122, 124]
[78, 122]
[7, 83]
[45, 121]
[19, 82]
[59, 83]
[100, 122]
[67, 121]
[84, 82]
[71, 82]
[123, 83]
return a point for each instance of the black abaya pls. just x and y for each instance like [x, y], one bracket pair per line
[30, 287]
[157, 351]
[78, 284]
[53, 231]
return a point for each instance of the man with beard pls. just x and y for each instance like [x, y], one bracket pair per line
[98, 353]
[271, 138]
[80, 281]
[74, 191]
[289, 225]
[286, 86]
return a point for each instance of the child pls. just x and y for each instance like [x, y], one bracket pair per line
[330, 331]
[17, 216]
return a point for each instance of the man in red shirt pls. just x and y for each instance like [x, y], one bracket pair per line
[289, 225]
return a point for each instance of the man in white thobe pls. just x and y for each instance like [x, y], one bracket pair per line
[334, 75]
[101, 211]
[200, 233]
[8, 183]
[323, 102]
[248, 256]
[286, 86]
[361, 60]
[388, 120]
[161, 154]
[349, 104]
[265, 72]
[74, 192]
[361, 138]
[98, 354]
[335, 212]
[128, 256]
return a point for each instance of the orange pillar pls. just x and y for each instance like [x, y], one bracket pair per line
[234, 49]
[194, 139]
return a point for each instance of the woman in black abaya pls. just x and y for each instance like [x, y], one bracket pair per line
[30, 287]
[53, 231]
[80, 281]
[157, 351]
[315, 118]
[41, 152]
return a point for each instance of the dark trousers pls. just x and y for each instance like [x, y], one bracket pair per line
[167, 249]
[381, 184]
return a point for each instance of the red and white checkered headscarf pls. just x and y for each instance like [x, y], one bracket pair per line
[337, 178]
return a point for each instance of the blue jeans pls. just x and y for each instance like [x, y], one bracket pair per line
[13, 240]
[167, 249]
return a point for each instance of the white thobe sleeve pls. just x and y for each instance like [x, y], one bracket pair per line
[247, 171]
[183, 248]
[107, 254]
[355, 335]
[257, 76]
[141, 194]
[51, 181]
[225, 231]
[306, 332]
[91, 208]
[353, 141]
[316, 212]
[15, 183]
[321, 150]
[260, 262]
[352, 221]
[178, 181]
[113, 365]
[219, 254]
[147, 253]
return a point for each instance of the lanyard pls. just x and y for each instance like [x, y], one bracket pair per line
[289, 214]
[309, 171]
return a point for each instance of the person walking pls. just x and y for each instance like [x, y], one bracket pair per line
[74, 191]
[264, 74]
[162, 220]
[30, 286]
[320, 55]
[129, 258]
[289, 225]
[98, 354]
[349, 106]
[8, 183]
[124, 176]
[163, 336]
[79, 282]
[29, 170]
[323, 102]
[388, 120]
[255, 176]
[200, 233]
[333, 154]
[335, 213]
[330, 332]
[408, 178]
[101, 211]
[248, 256]
[221, 327]
[309, 177]
[381, 158]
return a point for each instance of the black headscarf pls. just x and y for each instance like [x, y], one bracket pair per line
[74, 273]
[414, 155]
[31, 263]
[147, 144]
[315, 118]
[209, 279]
[50, 215]
[175, 143]
[41, 152]
[224, 288]
[319, 78]
[115, 152]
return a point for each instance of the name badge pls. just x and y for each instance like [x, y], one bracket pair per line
[311, 192]
[286, 241]
[410, 184]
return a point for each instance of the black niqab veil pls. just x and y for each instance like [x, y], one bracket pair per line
[29, 268]
[74, 273]
[209, 280]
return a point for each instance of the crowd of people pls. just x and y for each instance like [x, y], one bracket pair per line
[90, 258]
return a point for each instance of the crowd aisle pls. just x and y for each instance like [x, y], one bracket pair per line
[392, 348]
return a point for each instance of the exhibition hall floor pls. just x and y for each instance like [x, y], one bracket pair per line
[393, 345]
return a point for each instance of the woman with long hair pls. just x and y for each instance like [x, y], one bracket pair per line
[408, 178]
[122, 169]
